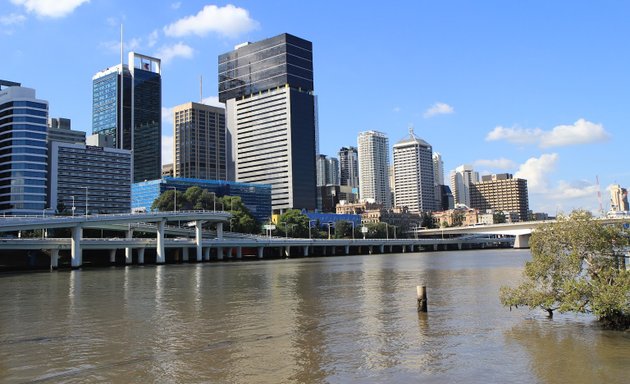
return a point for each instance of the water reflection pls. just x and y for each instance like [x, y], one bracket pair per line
[336, 319]
[572, 349]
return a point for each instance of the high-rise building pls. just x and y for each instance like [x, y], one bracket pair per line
[59, 129]
[438, 169]
[199, 137]
[23, 151]
[618, 199]
[373, 151]
[271, 118]
[501, 192]
[349, 167]
[414, 175]
[84, 176]
[127, 104]
[327, 170]
[461, 179]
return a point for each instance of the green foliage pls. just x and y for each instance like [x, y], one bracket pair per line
[576, 267]
[293, 223]
[458, 218]
[427, 220]
[343, 230]
[498, 217]
[196, 198]
[242, 220]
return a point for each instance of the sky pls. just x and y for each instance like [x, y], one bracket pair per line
[539, 89]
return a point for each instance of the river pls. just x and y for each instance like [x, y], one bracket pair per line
[349, 319]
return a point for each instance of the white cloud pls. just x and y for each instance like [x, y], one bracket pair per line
[501, 163]
[397, 109]
[168, 52]
[515, 135]
[581, 132]
[167, 116]
[176, 5]
[167, 149]
[12, 19]
[535, 171]
[153, 38]
[438, 109]
[50, 8]
[133, 44]
[228, 21]
[213, 100]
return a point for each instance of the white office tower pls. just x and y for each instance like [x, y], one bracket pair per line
[413, 174]
[373, 148]
[461, 179]
[438, 169]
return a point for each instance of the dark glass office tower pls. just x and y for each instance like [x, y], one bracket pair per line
[139, 105]
[270, 114]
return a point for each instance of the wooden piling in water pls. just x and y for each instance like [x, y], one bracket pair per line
[422, 298]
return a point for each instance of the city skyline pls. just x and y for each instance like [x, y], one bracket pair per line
[538, 90]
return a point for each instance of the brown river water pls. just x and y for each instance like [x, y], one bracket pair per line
[349, 319]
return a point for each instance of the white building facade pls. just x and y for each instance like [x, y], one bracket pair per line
[414, 175]
[373, 150]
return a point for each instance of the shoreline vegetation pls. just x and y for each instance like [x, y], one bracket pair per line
[578, 265]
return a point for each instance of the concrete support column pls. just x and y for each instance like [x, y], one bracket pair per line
[112, 256]
[381, 248]
[239, 253]
[521, 241]
[185, 254]
[347, 249]
[391, 249]
[324, 251]
[219, 253]
[229, 253]
[435, 247]
[261, 252]
[140, 255]
[411, 247]
[305, 251]
[160, 257]
[206, 254]
[129, 250]
[333, 251]
[219, 230]
[404, 249]
[198, 239]
[75, 247]
[54, 258]
[370, 250]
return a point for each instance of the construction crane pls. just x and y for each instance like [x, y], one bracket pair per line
[599, 196]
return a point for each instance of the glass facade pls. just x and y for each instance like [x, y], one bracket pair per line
[23, 152]
[264, 65]
[271, 118]
[142, 110]
[256, 197]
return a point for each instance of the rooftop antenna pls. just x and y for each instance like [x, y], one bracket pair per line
[411, 130]
[120, 143]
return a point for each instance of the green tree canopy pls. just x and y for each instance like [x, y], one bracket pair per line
[242, 220]
[576, 267]
[294, 222]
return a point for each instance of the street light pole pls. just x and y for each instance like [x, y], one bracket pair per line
[309, 228]
[352, 222]
[86, 201]
[387, 230]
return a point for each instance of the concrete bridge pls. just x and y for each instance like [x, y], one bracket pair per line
[199, 240]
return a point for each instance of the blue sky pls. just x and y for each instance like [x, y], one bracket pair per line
[539, 89]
